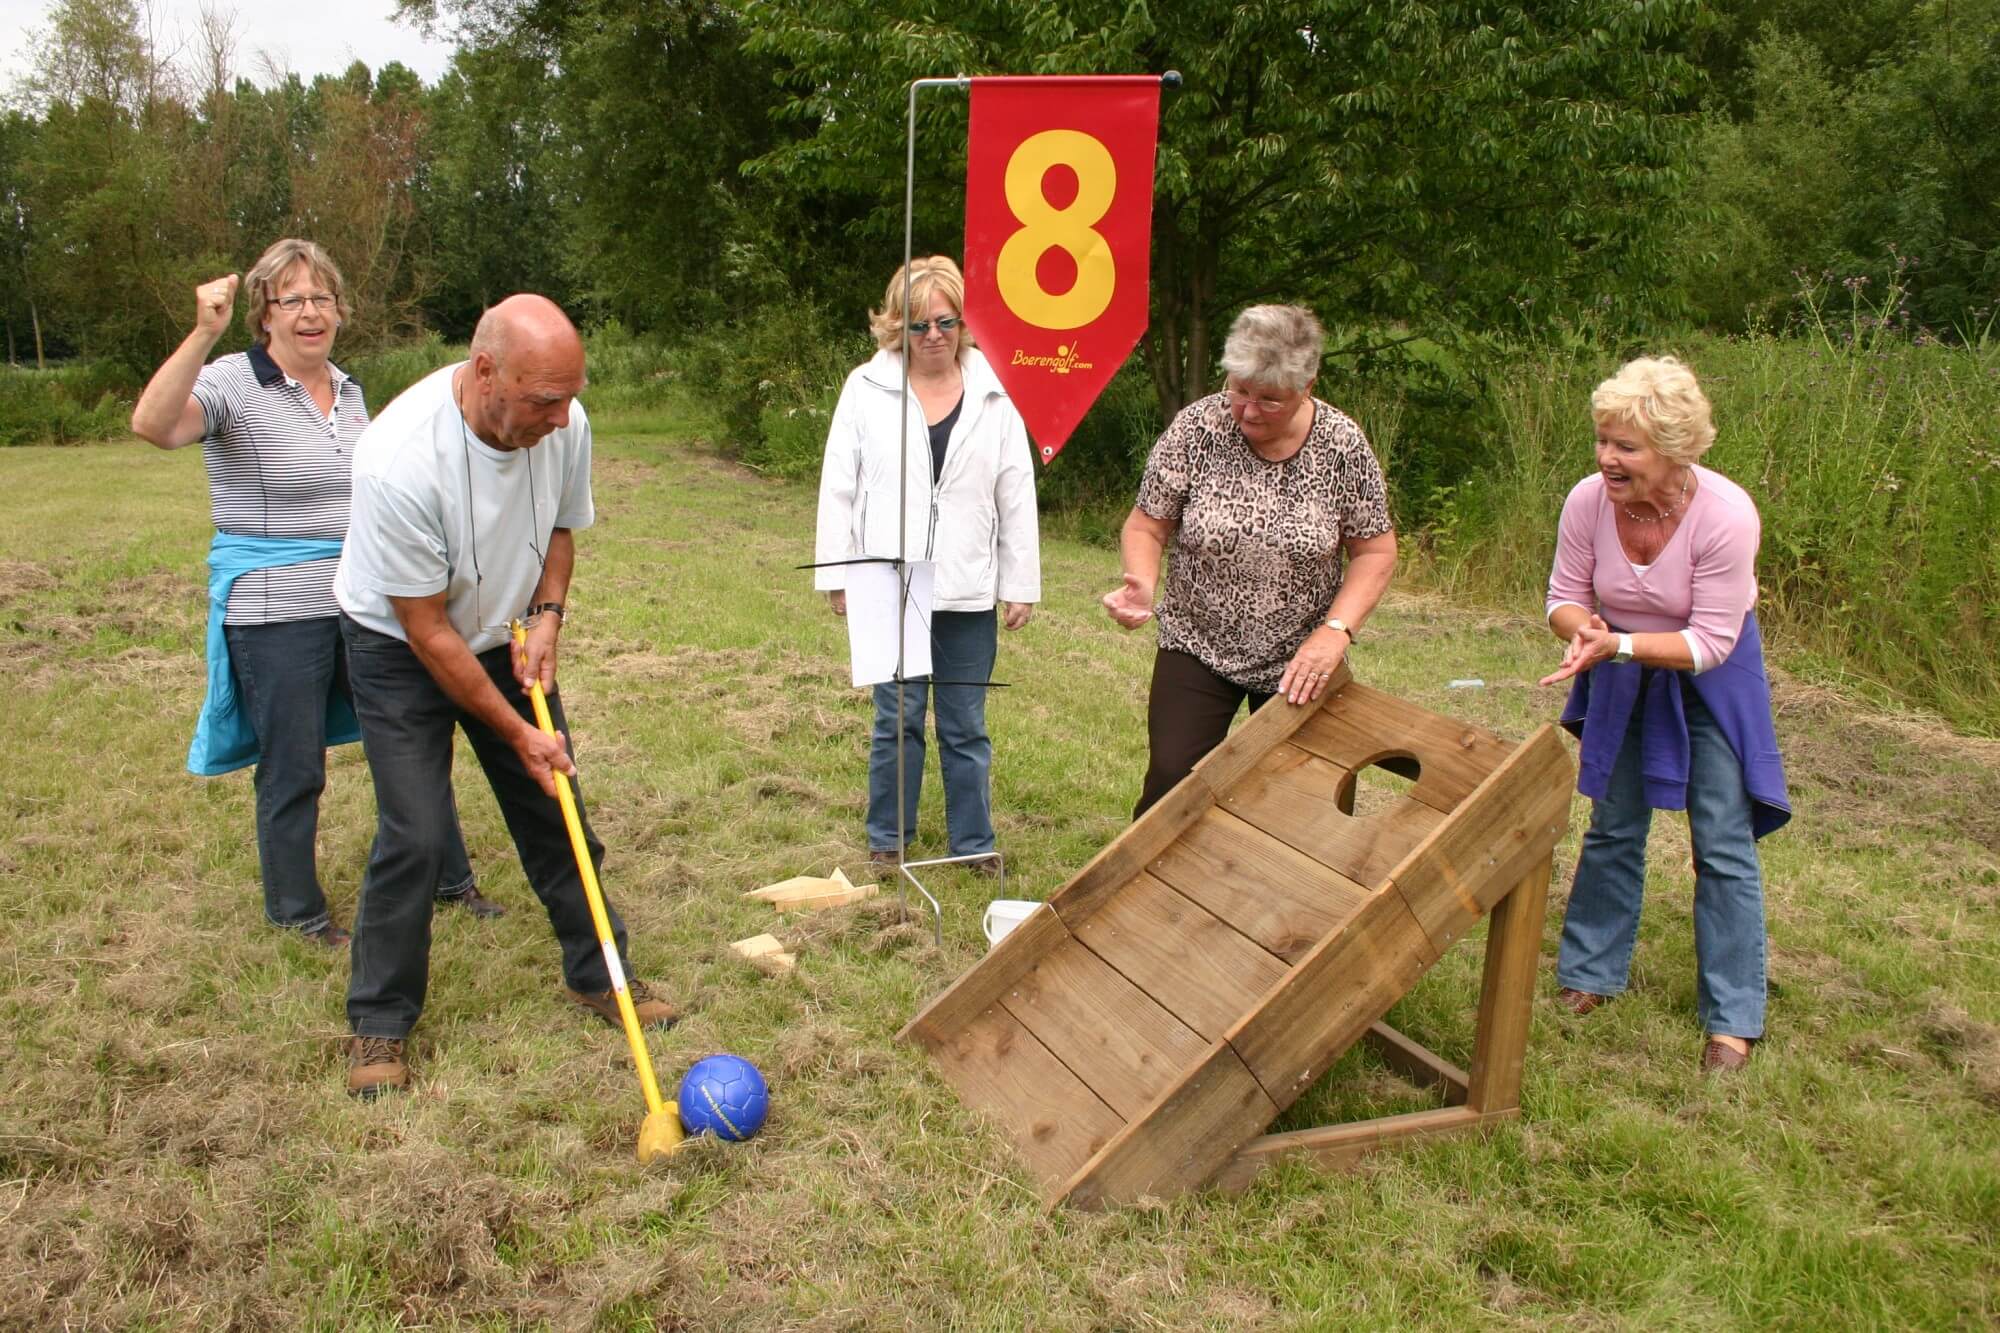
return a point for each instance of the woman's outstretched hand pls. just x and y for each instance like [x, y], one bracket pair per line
[1131, 603]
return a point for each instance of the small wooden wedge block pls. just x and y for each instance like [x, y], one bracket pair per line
[798, 886]
[765, 951]
[821, 902]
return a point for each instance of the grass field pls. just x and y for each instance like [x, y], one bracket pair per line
[176, 1150]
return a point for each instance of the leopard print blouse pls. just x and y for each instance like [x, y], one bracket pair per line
[1255, 559]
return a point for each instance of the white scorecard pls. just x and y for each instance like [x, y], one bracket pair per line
[872, 594]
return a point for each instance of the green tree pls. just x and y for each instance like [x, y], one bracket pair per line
[1408, 169]
[18, 306]
[1889, 172]
[488, 200]
[609, 133]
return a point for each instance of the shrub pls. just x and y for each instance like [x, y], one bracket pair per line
[68, 404]
[1871, 453]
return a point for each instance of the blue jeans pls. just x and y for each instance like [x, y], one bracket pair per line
[285, 673]
[1602, 923]
[963, 646]
[407, 722]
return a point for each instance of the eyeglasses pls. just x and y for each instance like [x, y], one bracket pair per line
[291, 305]
[1267, 406]
[945, 324]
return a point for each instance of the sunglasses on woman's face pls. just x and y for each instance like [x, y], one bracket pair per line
[945, 324]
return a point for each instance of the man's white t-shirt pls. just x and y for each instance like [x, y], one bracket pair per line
[436, 510]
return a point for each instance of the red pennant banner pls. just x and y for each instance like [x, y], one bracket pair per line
[1058, 237]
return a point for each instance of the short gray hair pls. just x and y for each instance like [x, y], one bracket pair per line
[1275, 345]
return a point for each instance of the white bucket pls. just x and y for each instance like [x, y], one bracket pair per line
[1002, 915]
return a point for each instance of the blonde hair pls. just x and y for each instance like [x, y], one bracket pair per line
[931, 274]
[1659, 397]
[1274, 345]
[270, 269]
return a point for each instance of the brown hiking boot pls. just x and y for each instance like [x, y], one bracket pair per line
[327, 935]
[375, 1065]
[652, 1011]
[1580, 1002]
[475, 902]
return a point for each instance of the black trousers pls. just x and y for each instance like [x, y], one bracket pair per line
[407, 722]
[1188, 713]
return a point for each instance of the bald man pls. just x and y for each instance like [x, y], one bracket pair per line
[467, 489]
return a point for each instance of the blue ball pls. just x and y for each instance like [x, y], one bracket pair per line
[724, 1095]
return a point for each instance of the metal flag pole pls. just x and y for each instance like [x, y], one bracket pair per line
[904, 868]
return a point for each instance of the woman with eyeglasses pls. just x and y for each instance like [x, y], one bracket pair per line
[277, 424]
[966, 474]
[1273, 508]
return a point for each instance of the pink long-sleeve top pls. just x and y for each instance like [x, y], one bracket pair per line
[1701, 586]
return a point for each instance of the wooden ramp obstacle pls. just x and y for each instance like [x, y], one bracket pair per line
[1145, 1026]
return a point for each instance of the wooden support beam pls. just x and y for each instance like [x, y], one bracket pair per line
[1496, 836]
[1341, 1147]
[1418, 1063]
[1177, 1142]
[1349, 980]
[1507, 992]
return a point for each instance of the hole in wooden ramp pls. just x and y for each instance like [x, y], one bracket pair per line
[1379, 785]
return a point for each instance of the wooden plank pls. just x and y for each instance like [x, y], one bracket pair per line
[1346, 982]
[1156, 830]
[1418, 1063]
[1270, 725]
[1342, 1147]
[1180, 1141]
[1111, 1034]
[986, 981]
[1509, 823]
[1303, 801]
[1192, 964]
[998, 1067]
[1131, 851]
[1507, 992]
[1279, 897]
[1364, 724]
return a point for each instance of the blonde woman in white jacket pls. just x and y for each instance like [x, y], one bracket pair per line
[970, 506]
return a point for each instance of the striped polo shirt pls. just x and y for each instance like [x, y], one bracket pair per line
[278, 467]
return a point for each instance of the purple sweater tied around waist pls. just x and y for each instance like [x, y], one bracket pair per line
[1599, 711]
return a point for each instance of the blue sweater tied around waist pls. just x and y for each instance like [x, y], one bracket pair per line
[224, 740]
[1600, 707]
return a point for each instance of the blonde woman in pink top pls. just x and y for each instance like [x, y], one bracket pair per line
[1652, 594]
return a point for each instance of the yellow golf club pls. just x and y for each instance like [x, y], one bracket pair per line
[660, 1134]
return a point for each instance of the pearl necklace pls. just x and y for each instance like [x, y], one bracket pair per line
[1670, 510]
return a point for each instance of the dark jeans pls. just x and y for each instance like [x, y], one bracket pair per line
[286, 673]
[406, 730]
[1188, 713]
[963, 646]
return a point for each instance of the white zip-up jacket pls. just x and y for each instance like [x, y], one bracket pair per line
[977, 522]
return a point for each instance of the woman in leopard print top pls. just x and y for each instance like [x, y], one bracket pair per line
[1275, 512]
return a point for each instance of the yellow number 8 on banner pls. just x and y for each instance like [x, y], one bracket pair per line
[1045, 228]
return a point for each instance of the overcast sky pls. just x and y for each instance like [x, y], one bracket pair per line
[317, 37]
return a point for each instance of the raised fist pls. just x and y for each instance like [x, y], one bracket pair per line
[214, 301]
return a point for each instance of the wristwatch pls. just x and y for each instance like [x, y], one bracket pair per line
[1624, 653]
[1335, 622]
[535, 611]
